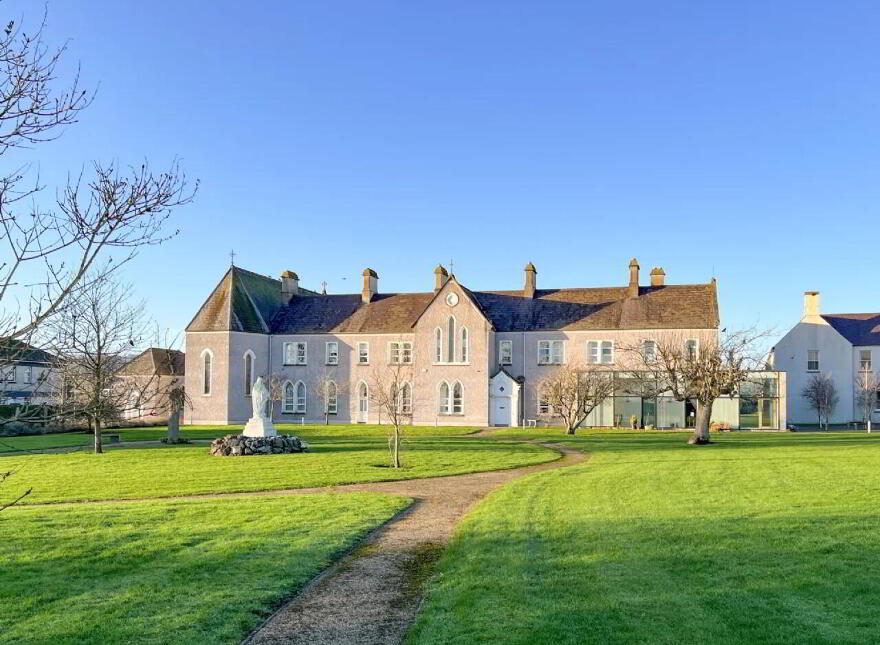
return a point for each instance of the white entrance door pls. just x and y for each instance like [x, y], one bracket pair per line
[501, 411]
[363, 403]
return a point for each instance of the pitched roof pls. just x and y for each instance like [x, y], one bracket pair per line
[16, 351]
[156, 361]
[858, 329]
[242, 301]
[664, 307]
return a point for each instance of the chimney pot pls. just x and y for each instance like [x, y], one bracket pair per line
[371, 285]
[531, 283]
[811, 304]
[441, 275]
[289, 285]
[633, 288]
[658, 277]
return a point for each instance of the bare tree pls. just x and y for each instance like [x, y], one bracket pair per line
[572, 391]
[328, 389]
[696, 373]
[391, 391]
[821, 393]
[866, 386]
[52, 251]
[94, 336]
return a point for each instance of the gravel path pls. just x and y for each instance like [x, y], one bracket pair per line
[371, 596]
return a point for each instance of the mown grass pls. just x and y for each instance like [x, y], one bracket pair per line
[168, 572]
[128, 473]
[758, 538]
[70, 439]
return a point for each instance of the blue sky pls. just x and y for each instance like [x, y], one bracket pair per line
[740, 139]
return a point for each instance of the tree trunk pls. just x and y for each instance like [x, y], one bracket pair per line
[571, 430]
[395, 448]
[701, 425]
[326, 418]
[99, 447]
[174, 426]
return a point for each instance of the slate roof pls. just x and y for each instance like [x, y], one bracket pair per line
[242, 301]
[156, 361]
[17, 351]
[667, 307]
[858, 329]
[246, 301]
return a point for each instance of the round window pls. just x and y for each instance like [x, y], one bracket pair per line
[452, 299]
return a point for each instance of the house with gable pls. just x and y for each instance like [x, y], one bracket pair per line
[839, 346]
[476, 356]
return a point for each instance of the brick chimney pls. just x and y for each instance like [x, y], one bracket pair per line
[441, 275]
[633, 289]
[811, 304]
[531, 284]
[658, 277]
[289, 285]
[371, 285]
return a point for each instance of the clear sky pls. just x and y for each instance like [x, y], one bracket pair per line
[734, 138]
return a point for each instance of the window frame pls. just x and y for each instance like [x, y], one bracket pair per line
[207, 372]
[463, 345]
[249, 378]
[296, 388]
[365, 345]
[296, 353]
[687, 347]
[328, 353]
[551, 353]
[816, 360]
[405, 398]
[443, 399]
[331, 403]
[28, 374]
[509, 345]
[288, 406]
[10, 376]
[862, 361]
[403, 349]
[438, 345]
[649, 357]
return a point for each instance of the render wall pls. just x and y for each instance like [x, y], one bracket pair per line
[835, 360]
[207, 409]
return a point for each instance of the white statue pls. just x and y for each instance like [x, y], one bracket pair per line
[259, 399]
[259, 425]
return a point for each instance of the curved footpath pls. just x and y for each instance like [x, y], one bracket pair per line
[372, 595]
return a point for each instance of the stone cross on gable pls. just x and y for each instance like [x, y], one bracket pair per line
[231, 258]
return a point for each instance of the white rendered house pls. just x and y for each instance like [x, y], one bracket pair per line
[841, 346]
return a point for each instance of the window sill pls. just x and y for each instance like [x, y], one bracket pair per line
[362, 364]
[332, 364]
[294, 364]
[445, 364]
[450, 414]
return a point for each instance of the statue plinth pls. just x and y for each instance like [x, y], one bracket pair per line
[259, 427]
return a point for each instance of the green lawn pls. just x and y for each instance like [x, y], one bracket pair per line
[759, 538]
[204, 571]
[185, 470]
[66, 439]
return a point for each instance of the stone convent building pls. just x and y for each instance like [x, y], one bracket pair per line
[475, 356]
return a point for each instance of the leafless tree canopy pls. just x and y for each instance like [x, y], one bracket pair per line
[94, 337]
[573, 391]
[699, 374]
[821, 393]
[53, 247]
[391, 391]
